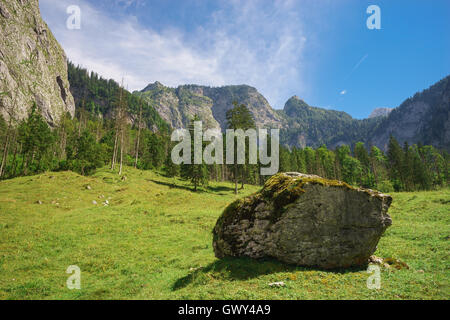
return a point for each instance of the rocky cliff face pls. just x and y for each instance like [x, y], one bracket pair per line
[424, 118]
[178, 105]
[33, 66]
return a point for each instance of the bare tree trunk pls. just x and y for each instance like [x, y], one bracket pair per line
[122, 126]
[6, 145]
[5, 154]
[117, 127]
[97, 137]
[13, 171]
[79, 124]
[243, 176]
[138, 137]
[121, 152]
[235, 180]
[113, 161]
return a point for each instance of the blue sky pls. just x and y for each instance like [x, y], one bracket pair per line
[319, 50]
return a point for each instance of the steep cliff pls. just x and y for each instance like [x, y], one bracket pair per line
[33, 66]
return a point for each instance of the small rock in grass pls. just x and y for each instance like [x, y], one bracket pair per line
[376, 260]
[39, 202]
[94, 202]
[277, 284]
[420, 271]
[88, 187]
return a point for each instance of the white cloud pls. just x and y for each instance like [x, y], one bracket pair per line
[343, 92]
[248, 43]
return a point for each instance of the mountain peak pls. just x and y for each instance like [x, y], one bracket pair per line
[297, 101]
[153, 86]
[293, 105]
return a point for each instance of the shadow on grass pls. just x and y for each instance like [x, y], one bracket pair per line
[173, 185]
[220, 189]
[214, 189]
[245, 268]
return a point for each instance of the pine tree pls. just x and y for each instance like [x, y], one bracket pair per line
[196, 173]
[395, 163]
[239, 117]
[138, 136]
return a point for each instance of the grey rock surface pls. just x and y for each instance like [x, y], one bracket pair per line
[179, 105]
[33, 66]
[304, 220]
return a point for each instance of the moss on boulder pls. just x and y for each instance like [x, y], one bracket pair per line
[305, 220]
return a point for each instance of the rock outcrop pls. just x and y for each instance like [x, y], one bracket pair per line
[33, 66]
[178, 105]
[304, 220]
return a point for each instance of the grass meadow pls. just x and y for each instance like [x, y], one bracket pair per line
[149, 237]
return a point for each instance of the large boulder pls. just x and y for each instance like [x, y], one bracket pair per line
[304, 220]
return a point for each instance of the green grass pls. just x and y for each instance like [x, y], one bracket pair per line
[153, 241]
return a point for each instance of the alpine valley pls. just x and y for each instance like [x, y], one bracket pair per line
[423, 118]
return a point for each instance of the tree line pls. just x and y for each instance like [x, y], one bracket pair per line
[401, 168]
[89, 141]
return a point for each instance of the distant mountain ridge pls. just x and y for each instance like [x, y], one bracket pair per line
[423, 118]
[380, 112]
[313, 126]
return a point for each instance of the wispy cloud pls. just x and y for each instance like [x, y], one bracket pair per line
[343, 92]
[254, 43]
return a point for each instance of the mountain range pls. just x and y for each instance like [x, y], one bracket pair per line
[34, 69]
[423, 118]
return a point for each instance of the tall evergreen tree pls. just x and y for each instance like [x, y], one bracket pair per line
[239, 117]
[196, 173]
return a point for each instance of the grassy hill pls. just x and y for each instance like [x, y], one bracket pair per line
[153, 241]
